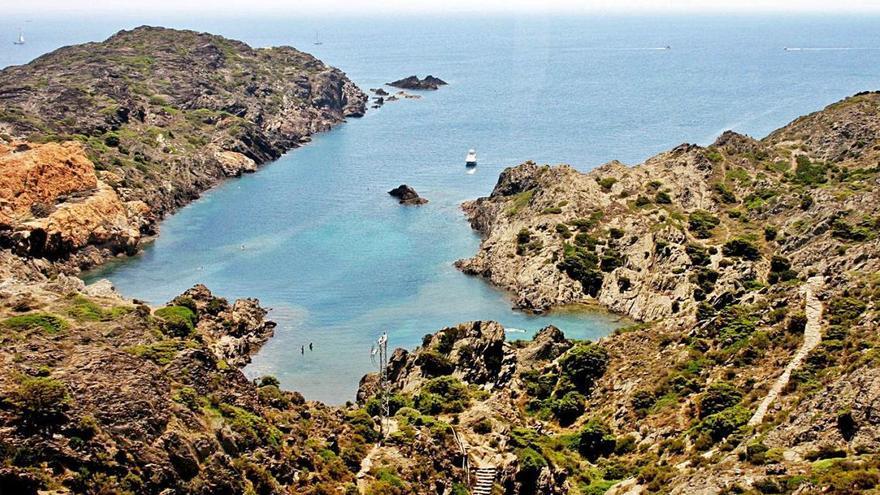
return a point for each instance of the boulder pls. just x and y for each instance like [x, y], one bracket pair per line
[407, 195]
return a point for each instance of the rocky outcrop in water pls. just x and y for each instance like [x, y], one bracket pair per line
[413, 82]
[407, 195]
[164, 114]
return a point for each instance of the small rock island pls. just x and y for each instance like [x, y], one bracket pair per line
[407, 195]
[413, 82]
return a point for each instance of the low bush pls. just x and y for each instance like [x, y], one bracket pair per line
[722, 424]
[718, 397]
[48, 323]
[583, 266]
[595, 440]
[606, 183]
[583, 365]
[741, 248]
[177, 321]
[434, 364]
[568, 408]
[41, 399]
[809, 173]
[701, 223]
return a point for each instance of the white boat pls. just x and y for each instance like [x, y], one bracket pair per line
[20, 40]
[317, 40]
[471, 159]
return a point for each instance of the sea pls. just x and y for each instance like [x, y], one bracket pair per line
[315, 235]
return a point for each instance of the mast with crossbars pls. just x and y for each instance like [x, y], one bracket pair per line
[380, 351]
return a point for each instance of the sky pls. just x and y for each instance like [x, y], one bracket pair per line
[391, 7]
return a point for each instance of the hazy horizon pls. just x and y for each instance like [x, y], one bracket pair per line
[405, 7]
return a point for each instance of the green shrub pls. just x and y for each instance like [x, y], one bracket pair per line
[363, 425]
[809, 173]
[611, 260]
[606, 183]
[724, 193]
[538, 385]
[701, 223]
[585, 224]
[741, 248]
[269, 381]
[178, 321]
[41, 399]
[642, 201]
[568, 408]
[770, 232]
[387, 482]
[396, 402]
[585, 240]
[662, 198]
[188, 397]
[443, 394]
[582, 265]
[698, 254]
[563, 230]
[434, 364]
[842, 230]
[530, 463]
[583, 365]
[735, 330]
[160, 352]
[780, 270]
[50, 324]
[724, 423]
[595, 440]
[842, 310]
[718, 397]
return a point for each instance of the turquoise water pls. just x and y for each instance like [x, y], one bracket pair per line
[338, 261]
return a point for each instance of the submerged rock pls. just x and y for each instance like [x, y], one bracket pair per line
[407, 195]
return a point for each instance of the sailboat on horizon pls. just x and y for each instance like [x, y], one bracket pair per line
[317, 41]
[20, 40]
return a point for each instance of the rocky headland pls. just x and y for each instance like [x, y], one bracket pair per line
[752, 268]
[149, 118]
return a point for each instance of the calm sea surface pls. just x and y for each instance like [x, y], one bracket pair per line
[338, 261]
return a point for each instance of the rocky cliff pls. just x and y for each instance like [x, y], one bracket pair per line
[162, 115]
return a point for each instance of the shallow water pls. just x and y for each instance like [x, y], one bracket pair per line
[338, 261]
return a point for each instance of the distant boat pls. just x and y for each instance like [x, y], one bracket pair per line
[471, 159]
[668, 47]
[20, 40]
[317, 41]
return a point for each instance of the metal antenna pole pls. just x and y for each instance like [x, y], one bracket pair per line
[382, 350]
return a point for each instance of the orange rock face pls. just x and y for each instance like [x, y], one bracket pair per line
[52, 203]
[40, 174]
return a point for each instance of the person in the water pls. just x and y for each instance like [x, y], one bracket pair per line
[310, 346]
[302, 350]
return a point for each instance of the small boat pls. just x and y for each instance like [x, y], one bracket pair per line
[20, 40]
[317, 41]
[471, 159]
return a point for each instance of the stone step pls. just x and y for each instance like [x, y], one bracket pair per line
[485, 479]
